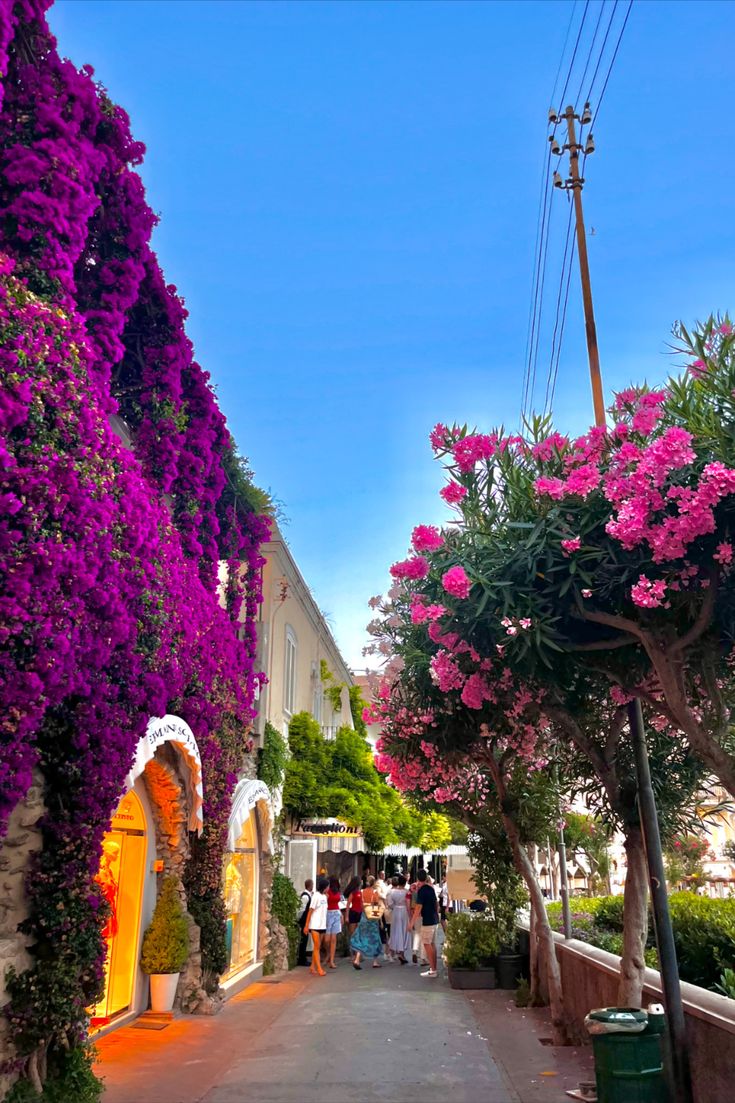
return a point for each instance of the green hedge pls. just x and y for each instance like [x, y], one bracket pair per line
[704, 932]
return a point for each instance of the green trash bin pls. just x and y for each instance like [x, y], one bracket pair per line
[626, 1042]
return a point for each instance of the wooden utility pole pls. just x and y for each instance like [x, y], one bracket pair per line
[679, 1070]
[575, 184]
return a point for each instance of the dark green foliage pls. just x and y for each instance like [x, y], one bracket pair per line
[166, 941]
[272, 758]
[285, 906]
[208, 912]
[495, 875]
[472, 941]
[357, 704]
[304, 788]
[338, 778]
[70, 1078]
[704, 933]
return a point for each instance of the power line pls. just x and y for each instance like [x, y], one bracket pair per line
[612, 62]
[561, 317]
[590, 51]
[574, 54]
[588, 97]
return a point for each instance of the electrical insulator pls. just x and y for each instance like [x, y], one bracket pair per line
[586, 115]
[590, 146]
[552, 115]
[558, 182]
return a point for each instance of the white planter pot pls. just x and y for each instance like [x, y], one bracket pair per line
[163, 990]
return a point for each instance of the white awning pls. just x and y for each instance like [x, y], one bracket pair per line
[172, 729]
[248, 793]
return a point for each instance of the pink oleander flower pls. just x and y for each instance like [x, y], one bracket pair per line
[426, 538]
[456, 582]
[586, 593]
[647, 594]
[725, 329]
[453, 493]
[524, 622]
[697, 369]
[625, 398]
[445, 672]
[374, 602]
[415, 567]
[546, 448]
[469, 450]
[571, 545]
[554, 488]
[723, 554]
[438, 436]
[645, 419]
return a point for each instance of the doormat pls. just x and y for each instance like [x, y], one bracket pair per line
[150, 1020]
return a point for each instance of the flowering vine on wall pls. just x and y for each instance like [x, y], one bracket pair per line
[110, 609]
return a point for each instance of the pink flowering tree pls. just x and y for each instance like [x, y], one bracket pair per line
[613, 549]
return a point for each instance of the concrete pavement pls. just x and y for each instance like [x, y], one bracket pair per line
[375, 1036]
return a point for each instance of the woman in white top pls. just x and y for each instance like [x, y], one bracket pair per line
[400, 936]
[316, 924]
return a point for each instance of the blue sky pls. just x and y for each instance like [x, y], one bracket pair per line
[348, 196]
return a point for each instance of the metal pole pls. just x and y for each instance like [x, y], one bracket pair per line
[675, 1021]
[564, 885]
[584, 271]
[550, 868]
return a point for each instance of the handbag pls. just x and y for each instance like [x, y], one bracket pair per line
[375, 909]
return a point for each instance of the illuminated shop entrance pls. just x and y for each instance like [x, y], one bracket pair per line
[241, 897]
[121, 878]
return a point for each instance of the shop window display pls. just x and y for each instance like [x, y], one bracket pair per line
[120, 877]
[241, 897]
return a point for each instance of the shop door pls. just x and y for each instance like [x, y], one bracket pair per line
[121, 876]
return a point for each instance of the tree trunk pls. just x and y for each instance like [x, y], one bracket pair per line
[545, 936]
[635, 921]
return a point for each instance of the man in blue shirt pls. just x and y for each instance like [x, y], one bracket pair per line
[426, 908]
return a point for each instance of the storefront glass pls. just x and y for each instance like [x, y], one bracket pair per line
[241, 897]
[120, 877]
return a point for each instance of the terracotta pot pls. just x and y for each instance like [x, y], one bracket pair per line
[163, 991]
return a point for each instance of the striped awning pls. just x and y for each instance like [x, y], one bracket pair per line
[340, 844]
[399, 850]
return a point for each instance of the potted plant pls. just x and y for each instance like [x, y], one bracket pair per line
[470, 949]
[165, 946]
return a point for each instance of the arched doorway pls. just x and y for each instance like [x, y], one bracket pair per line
[122, 879]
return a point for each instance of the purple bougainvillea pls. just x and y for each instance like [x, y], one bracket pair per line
[109, 609]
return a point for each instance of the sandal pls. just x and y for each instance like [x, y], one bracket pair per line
[356, 966]
[377, 965]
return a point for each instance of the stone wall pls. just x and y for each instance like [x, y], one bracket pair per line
[16, 851]
[590, 979]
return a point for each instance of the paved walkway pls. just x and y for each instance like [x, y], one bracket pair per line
[352, 1037]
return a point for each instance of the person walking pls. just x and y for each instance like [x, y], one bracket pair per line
[353, 894]
[366, 939]
[427, 912]
[400, 939]
[334, 919]
[304, 905]
[316, 924]
[445, 902]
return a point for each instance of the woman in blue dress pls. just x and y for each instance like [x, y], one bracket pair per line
[365, 942]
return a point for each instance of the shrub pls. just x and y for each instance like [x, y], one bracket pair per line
[285, 906]
[609, 913]
[472, 941]
[208, 912]
[166, 941]
[704, 933]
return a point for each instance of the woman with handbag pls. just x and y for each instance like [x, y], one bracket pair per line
[316, 924]
[366, 940]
